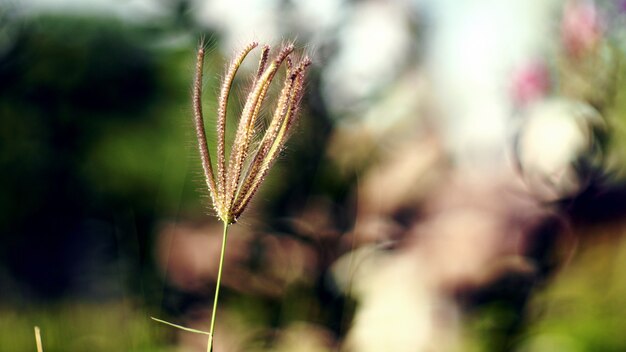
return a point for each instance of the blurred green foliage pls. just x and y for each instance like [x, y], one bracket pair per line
[580, 308]
[94, 151]
[94, 126]
[583, 308]
[71, 327]
[616, 121]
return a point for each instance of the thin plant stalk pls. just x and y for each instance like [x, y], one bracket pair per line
[217, 287]
[38, 339]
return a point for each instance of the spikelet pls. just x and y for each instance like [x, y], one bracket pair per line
[235, 183]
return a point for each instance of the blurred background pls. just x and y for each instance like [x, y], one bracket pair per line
[456, 181]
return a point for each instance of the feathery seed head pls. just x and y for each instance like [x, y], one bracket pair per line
[236, 182]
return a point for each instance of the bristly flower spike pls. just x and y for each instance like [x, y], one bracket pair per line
[275, 136]
[235, 183]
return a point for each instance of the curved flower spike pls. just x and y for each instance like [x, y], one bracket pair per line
[235, 183]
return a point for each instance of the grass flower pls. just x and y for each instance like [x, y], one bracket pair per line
[234, 184]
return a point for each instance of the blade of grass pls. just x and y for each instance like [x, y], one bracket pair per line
[180, 326]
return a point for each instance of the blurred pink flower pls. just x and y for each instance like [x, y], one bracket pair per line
[582, 27]
[530, 83]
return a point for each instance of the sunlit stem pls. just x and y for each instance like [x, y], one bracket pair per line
[217, 287]
[38, 339]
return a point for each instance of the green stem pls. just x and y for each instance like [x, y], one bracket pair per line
[217, 287]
